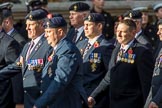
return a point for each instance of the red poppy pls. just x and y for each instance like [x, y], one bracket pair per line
[49, 58]
[130, 51]
[96, 44]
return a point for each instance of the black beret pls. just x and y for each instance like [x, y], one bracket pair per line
[5, 9]
[157, 6]
[95, 17]
[37, 14]
[55, 22]
[133, 14]
[33, 3]
[79, 7]
[159, 22]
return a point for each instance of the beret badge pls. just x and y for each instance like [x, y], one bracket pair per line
[31, 17]
[89, 17]
[48, 24]
[75, 8]
[130, 15]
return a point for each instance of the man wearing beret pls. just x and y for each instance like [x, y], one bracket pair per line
[8, 23]
[96, 52]
[136, 16]
[130, 71]
[32, 58]
[78, 11]
[9, 51]
[62, 77]
[8, 27]
[147, 27]
[156, 87]
[108, 29]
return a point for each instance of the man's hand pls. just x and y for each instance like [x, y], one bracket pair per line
[34, 106]
[91, 102]
[153, 105]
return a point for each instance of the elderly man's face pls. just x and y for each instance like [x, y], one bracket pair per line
[33, 29]
[76, 19]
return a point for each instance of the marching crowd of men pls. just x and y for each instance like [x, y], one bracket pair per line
[94, 62]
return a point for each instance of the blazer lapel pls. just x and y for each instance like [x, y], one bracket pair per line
[92, 47]
[36, 48]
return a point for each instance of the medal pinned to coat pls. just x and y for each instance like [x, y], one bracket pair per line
[127, 57]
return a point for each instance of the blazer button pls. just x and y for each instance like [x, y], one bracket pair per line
[23, 78]
[41, 81]
[25, 91]
[41, 91]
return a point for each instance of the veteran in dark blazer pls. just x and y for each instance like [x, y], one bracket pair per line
[8, 27]
[10, 51]
[156, 87]
[96, 52]
[136, 16]
[78, 11]
[8, 23]
[32, 58]
[62, 78]
[130, 71]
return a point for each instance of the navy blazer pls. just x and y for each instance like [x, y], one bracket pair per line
[17, 82]
[32, 82]
[71, 33]
[129, 82]
[62, 83]
[10, 50]
[93, 70]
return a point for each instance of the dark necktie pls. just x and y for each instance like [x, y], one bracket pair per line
[30, 49]
[86, 49]
[75, 36]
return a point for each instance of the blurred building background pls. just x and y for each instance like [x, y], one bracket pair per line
[115, 7]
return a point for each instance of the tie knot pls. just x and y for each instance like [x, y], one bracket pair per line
[76, 31]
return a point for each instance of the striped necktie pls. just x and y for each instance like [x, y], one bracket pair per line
[30, 49]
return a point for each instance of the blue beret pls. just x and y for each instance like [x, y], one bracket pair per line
[79, 7]
[133, 14]
[95, 17]
[37, 14]
[157, 6]
[55, 22]
[5, 9]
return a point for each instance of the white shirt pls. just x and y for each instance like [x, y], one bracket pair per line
[92, 41]
[36, 40]
[9, 33]
[125, 47]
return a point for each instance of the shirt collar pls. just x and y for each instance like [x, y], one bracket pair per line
[37, 39]
[9, 33]
[125, 47]
[137, 34]
[92, 41]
